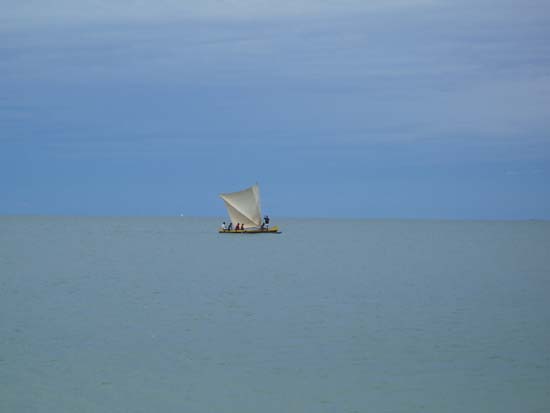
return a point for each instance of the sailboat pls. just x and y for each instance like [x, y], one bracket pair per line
[243, 208]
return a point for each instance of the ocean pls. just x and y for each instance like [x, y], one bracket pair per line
[167, 315]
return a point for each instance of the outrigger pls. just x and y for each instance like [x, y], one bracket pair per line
[272, 230]
[243, 208]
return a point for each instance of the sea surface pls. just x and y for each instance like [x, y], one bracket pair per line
[167, 315]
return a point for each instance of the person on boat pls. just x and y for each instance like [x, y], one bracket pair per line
[230, 227]
[266, 222]
[224, 227]
[238, 227]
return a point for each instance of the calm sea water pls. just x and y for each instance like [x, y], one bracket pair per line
[166, 315]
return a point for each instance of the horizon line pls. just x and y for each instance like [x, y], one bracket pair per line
[309, 218]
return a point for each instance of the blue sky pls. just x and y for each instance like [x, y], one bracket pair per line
[381, 109]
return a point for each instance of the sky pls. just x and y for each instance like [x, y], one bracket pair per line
[420, 109]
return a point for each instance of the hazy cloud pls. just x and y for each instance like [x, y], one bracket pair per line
[70, 11]
[332, 88]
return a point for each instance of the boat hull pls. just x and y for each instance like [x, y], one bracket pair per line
[272, 230]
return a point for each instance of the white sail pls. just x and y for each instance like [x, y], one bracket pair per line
[244, 206]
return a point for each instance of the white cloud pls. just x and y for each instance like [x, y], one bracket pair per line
[393, 75]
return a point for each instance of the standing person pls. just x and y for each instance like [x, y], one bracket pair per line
[266, 220]
[230, 227]
[238, 227]
[224, 227]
